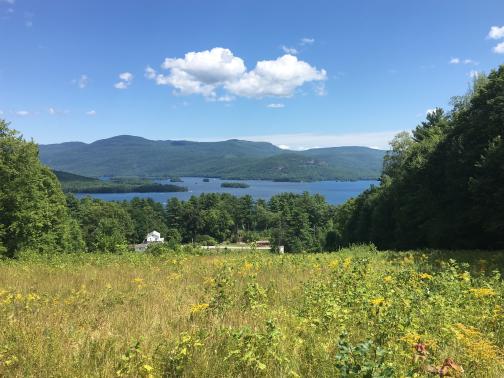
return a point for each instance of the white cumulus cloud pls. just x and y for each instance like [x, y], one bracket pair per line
[280, 77]
[496, 32]
[275, 106]
[454, 61]
[499, 49]
[199, 72]
[125, 80]
[150, 73]
[210, 71]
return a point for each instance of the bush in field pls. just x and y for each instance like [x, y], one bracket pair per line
[205, 240]
[158, 249]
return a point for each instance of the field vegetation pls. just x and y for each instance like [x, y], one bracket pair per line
[358, 312]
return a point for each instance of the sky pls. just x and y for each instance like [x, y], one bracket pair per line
[299, 74]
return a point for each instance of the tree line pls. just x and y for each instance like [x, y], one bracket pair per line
[442, 185]
[299, 222]
[35, 214]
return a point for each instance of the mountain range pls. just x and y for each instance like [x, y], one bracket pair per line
[231, 159]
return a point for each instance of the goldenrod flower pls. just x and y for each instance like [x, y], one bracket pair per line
[347, 262]
[148, 368]
[378, 301]
[425, 276]
[197, 308]
[482, 292]
[334, 264]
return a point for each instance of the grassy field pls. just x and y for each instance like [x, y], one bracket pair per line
[355, 313]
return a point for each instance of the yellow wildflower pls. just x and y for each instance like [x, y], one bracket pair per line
[387, 279]
[347, 262]
[425, 276]
[148, 368]
[411, 337]
[197, 308]
[378, 301]
[480, 350]
[334, 264]
[209, 281]
[32, 297]
[11, 361]
[482, 292]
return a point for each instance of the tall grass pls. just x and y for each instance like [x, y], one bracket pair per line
[357, 312]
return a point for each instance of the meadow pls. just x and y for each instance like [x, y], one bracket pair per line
[353, 313]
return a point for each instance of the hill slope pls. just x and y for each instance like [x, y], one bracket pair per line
[135, 156]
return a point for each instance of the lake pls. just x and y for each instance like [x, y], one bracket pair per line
[335, 192]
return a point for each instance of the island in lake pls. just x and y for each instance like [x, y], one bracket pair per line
[72, 183]
[240, 185]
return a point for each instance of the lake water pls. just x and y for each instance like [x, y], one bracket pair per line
[335, 192]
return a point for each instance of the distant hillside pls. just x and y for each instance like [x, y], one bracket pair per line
[231, 159]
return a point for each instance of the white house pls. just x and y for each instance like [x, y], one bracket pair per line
[153, 237]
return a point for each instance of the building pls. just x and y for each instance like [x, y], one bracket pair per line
[262, 243]
[153, 237]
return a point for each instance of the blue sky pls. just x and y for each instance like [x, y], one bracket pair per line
[296, 73]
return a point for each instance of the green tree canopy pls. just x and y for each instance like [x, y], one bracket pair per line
[33, 211]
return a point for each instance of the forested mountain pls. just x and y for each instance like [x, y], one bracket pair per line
[442, 186]
[233, 159]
